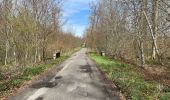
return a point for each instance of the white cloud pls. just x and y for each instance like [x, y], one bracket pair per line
[78, 30]
[73, 6]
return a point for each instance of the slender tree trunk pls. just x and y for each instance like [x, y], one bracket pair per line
[142, 56]
[6, 52]
[15, 55]
[39, 55]
[36, 53]
[44, 48]
[154, 28]
[26, 56]
[142, 31]
[36, 49]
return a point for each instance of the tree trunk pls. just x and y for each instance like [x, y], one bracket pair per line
[44, 48]
[39, 55]
[36, 53]
[142, 56]
[15, 58]
[6, 52]
[155, 50]
[36, 49]
[142, 31]
[26, 56]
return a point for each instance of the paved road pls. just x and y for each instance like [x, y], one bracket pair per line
[78, 80]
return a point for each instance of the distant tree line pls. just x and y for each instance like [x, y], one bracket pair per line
[134, 30]
[30, 30]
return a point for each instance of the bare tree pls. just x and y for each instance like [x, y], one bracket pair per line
[130, 30]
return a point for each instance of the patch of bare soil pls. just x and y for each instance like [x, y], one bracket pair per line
[156, 73]
[152, 72]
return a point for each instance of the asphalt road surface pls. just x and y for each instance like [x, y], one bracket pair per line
[79, 79]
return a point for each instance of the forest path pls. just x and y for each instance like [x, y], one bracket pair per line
[79, 79]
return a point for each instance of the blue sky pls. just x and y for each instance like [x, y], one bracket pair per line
[77, 13]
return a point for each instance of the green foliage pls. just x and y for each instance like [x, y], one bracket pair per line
[1, 76]
[102, 60]
[34, 70]
[152, 62]
[3, 87]
[16, 82]
[131, 83]
[165, 96]
[166, 89]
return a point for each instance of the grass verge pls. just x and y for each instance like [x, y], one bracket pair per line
[28, 73]
[131, 83]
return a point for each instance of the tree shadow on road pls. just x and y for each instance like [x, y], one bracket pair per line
[45, 83]
[86, 69]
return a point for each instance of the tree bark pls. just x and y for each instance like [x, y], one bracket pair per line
[36, 49]
[6, 52]
[154, 28]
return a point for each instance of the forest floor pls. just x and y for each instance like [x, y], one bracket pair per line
[153, 71]
[134, 82]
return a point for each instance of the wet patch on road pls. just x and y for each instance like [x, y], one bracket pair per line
[86, 69]
[39, 98]
[43, 84]
[58, 77]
